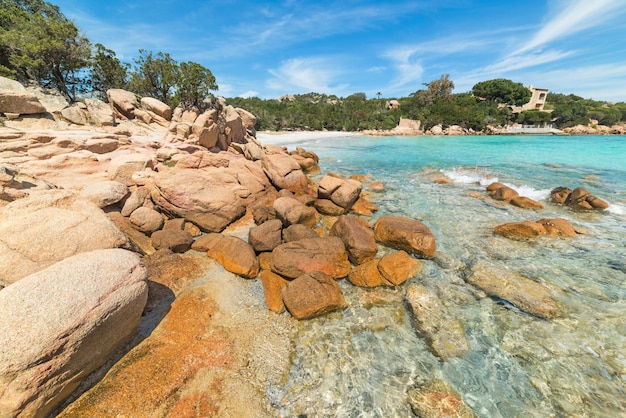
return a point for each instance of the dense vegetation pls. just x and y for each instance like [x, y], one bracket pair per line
[38, 43]
[489, 103]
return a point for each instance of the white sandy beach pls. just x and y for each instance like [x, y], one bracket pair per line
[286, 138]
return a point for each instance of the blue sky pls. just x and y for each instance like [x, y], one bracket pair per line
[271, 48]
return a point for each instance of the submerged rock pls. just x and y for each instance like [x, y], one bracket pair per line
[528, 230]
[503, 193]
[398, 267]
[526, 203]
[366, 274]
[312, 294]
[437, 399]
[405, 234]
[529, 296]
[60, 324]
[445, 335]
[578, 198]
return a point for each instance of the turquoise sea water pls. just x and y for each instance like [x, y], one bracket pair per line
[362, 361]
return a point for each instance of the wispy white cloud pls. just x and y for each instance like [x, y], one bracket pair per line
[575, 16]
[317, 74]
[296, 22]
[517, 62]
[249, 93]
[376, 69]
[602, 81]
[409, 61]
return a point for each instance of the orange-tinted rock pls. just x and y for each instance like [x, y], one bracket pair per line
[357, 236]
[558, 227]
[159, 367]
[366, 274]
[297, 232]
[494, 186]
[284, 172]
[526, 203]
[327, 207]
[597, 203]
[504, 193]
[206, 242]
[364, 207]
[236, 256]
[291, 211]
[560, 194]
[398, 267]
[531, 229]
[296, 258]
[341, 191]
[581, 198]
[377, 186]
[437, 399]
[312, 295]
[272, 287]
[405, 234]
[528, 295]
[308, 165]
[266, 236]
[520, 230]
[265, 261]
[178, 241]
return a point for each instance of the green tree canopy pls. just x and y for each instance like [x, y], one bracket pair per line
[502, 90]
[155, 75]
[533, 117]
[440, 90]
[160, 76]
[107, 71]
[37, 42]
[195, 83]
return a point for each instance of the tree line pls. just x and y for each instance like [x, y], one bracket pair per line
[489, 103]
[38, 43]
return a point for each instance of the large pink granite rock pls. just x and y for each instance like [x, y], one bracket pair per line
[196, 196]
[60, 324]
[49, 226]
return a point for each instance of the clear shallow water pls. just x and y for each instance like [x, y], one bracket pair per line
[362, 361]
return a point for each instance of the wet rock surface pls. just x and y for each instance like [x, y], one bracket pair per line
[529, 296]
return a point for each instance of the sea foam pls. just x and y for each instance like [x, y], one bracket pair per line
[470, 176]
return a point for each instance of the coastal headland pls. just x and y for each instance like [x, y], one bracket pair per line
[171, 253]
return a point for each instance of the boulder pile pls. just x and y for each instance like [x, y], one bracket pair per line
[579, 198]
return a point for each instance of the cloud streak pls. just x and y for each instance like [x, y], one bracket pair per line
[314, 74]
[576, 16]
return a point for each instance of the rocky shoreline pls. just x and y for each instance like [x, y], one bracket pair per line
[138, 241]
